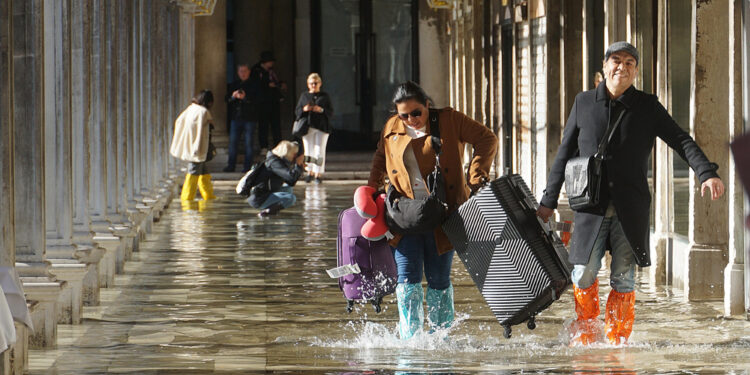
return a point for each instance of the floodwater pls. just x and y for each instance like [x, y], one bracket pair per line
[220, 290]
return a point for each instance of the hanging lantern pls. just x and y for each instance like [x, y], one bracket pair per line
[440, 4]
[203, 7]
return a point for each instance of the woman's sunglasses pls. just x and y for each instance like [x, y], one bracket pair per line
[415, 113]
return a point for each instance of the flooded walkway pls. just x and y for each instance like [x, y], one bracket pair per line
[221, 290]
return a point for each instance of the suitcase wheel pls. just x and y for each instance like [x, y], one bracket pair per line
[376, 304]
[349, 305]
[531, 323]
[507, 332]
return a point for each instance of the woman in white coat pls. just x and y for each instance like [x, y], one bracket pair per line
[190, 143]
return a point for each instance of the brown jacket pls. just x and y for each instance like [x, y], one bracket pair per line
[456, 129]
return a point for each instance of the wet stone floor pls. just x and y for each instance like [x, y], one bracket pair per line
[220, 290]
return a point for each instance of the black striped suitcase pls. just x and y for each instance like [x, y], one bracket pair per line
[518, 263]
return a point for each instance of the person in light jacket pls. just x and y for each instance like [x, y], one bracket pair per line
[406, 157]
[190, 143]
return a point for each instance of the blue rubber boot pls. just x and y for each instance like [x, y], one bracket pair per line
[410, 310]
[440, 311]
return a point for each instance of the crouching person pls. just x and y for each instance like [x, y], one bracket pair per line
[273, 191]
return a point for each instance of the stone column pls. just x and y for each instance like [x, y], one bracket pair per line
[7, 214]
[18, 354]
[99, 117]
[734, 288]
[211, 60]
[549, 132]
[81, 97]
[119, 19]
[115, 239]
[61, 251]
[140, 211]
[661, 259]
[128, 72]
[99, 133]
[746, 115]
[147, 124]
[112, 142]
[157, 92]
[27, 96]
[709, 119]
[137, 105]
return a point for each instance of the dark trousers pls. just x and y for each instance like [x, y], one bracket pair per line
[270, 118]
[238, 129]
[417, 253]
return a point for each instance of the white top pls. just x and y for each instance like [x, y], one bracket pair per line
[418, 184]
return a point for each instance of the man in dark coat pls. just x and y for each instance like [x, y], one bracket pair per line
[270, 96]
[621, 222]
[243, 116]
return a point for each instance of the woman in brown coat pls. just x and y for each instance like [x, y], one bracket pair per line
[406, 158]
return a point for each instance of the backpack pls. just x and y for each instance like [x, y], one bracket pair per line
[251, 179]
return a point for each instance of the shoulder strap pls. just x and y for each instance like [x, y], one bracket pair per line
[437, 144]
[608, 135]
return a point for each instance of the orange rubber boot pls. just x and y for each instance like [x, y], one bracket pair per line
[618, 319]
[585, 328]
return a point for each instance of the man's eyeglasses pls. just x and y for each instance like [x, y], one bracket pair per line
[415, 113]
[313, 83]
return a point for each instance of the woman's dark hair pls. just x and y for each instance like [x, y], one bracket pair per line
[410, 90]
[204, 98]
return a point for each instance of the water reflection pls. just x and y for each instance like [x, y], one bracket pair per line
[220, 290]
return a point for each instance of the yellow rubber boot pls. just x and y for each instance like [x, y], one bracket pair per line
[619, 316]
[205, 186]
[189, 187]
[586, 328]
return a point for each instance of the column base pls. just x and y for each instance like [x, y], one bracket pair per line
[19, 352]
[45, 292]
[734, 289]
[658, 271]
[127, 235]
[70, 302]
[108, 263]
[705, 273]
[91, 255]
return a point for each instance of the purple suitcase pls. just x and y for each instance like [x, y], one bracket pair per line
[378, 274]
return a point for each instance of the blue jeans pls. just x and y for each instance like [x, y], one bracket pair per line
[246, 127]
[622, 277]
[285, 196]
[417, 251]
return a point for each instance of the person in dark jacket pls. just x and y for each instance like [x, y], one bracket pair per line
[269, 98]
[243, 117]
[283, 169]
[620, 223]
[316, 106]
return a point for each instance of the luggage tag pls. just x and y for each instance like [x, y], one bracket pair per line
[346, 269]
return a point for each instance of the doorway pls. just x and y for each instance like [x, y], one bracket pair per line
[363, 49]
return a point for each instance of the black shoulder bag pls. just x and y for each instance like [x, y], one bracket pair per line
[301, 125]
[412, 216]
[211, 153]
[583, 174]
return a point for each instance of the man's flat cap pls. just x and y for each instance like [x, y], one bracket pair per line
[624, 47]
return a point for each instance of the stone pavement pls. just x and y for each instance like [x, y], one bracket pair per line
[220, 290]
